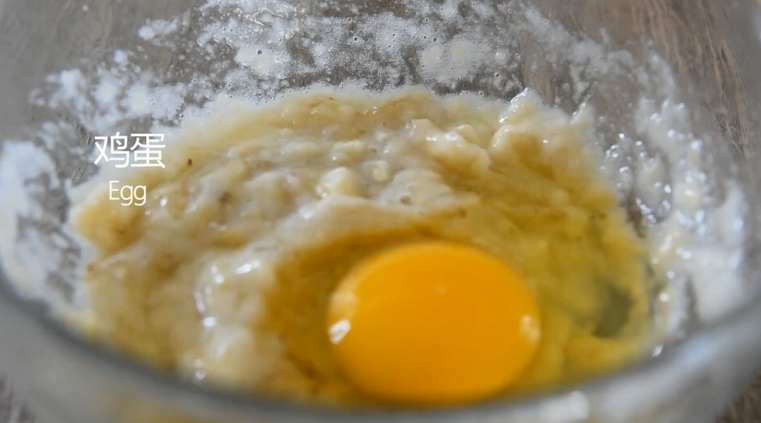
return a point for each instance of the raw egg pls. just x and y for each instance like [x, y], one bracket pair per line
[433, 324]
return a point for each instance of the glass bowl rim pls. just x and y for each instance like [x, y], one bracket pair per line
[255, 404]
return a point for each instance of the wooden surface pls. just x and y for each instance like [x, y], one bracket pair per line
[747, 408]
[12, 409]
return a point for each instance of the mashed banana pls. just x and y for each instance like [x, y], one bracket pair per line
[225, 273]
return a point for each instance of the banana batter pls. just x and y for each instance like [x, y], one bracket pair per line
[224, 274]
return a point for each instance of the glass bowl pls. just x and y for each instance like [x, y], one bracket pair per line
[674, 82]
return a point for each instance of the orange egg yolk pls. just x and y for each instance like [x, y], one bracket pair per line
[433, 324]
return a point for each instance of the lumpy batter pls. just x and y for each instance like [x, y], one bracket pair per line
[224, 275]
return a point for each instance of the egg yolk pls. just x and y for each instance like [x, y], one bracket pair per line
[433, 324]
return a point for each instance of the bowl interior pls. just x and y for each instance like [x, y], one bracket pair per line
[675, 140]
